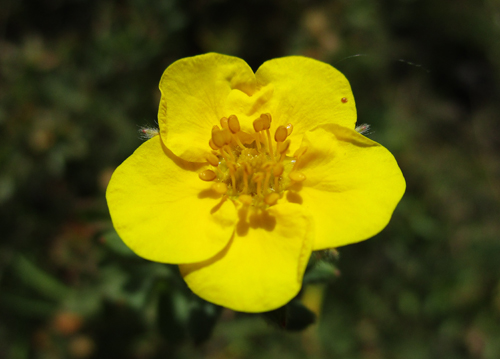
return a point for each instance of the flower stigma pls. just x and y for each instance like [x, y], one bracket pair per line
[252, 168]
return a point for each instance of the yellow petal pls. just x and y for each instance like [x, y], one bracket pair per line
[163, 211]
[262, 267]
[307, 93]
[200, 90]
[195, 89]
[352, 188]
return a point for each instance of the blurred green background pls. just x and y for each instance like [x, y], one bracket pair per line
[78, 78]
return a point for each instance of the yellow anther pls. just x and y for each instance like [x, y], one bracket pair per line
[227, 136]
[272, 198]
[278, 170]
[215, 128]
[212, 145]
[221, 138]
[266, 121]
[213, 159]
[300, 152]
[207, 175]
[297, 176]
[245, 199]
[219, 187]
[280, 134]
[233, 124]
[258, 125]
[224, 122]
[218, 138]
[289, 129]
[284, 146]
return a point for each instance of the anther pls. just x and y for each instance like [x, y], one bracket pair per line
[297, 176]
[245, 199]
[300, 152]
[215, 128]
[278, 170]
[221, 138]
[258, 125]
[284, 146]
[266, 121]
[289, 129]
[272, 198]
[207, 175]
[224, 122]
[280, 134]
[213, 159]
[257, 178]
[233, 124]
[212, 145]
[219, 187]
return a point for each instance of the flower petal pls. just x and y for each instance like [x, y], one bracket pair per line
[262, 267]
[307, 93]
[352, 188]
[163, 211]
[200, 90]
[196, 89]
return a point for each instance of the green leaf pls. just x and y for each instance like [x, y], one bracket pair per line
[35, 278]
[321, 272]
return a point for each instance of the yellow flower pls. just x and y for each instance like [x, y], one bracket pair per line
[250, 173]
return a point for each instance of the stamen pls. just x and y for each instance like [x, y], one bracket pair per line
[266, 125]
[277, 172]
[220, 187]
[219, 138]
[298, 154]
[281, 134]
[245, 199]
[223, 122]
[247, 170]
[272, 198]
[233, 179]
[207, 175]
[257, 178]
[251, 173]
[279, 137]
[258, 126]
[267, 167]
[213, 159]
[297, 176]
[283, 147]
[233, 124]
[234, 127]
[212, 145]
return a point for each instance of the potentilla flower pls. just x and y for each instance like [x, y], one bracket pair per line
[250, 173]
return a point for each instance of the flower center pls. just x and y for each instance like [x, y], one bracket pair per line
[252, 167]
